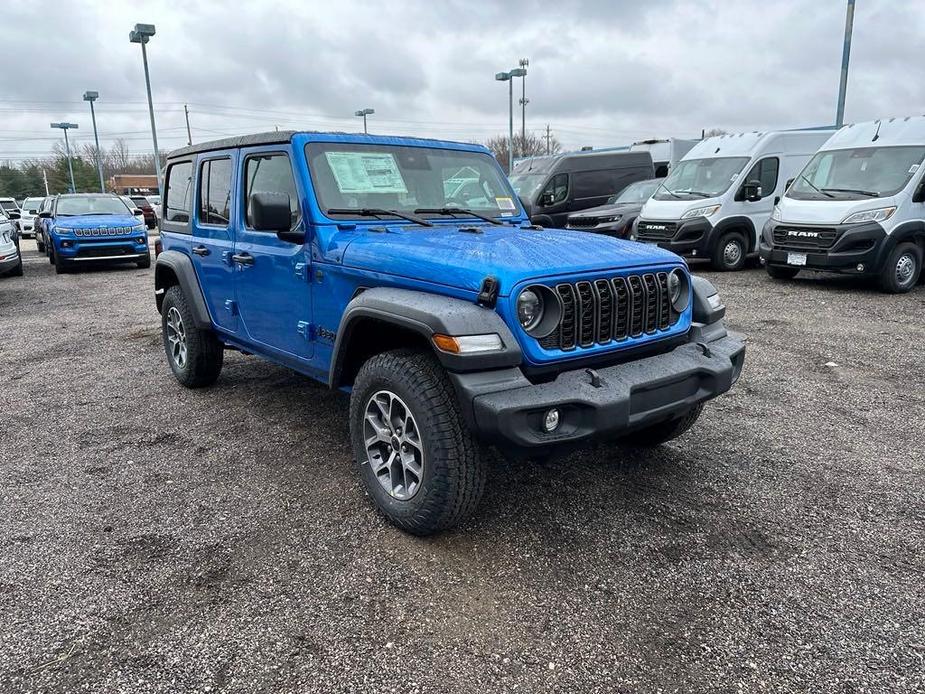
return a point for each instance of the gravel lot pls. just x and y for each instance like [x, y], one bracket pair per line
[156, 539]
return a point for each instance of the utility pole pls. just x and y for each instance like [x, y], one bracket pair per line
[67, 148]
[524, 62]
[547, 140]
[189, 136]
[845, 55]
[142, 34]
[45, 181]
[91, 97]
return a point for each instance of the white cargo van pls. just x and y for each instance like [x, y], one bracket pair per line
[665, 153]
[715, 202]
[858, 207]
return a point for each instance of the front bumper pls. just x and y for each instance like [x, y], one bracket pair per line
[504, 408]
[854, 246]
[687, 237]
[125, 249]
[8, 261]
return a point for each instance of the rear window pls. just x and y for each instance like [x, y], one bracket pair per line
[215, 191]
[177, 202]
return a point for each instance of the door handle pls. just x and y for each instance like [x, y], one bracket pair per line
[243, 259]
[201, 250]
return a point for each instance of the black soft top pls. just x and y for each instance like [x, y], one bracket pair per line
[273, 137]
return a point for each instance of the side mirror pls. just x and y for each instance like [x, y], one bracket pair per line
[919, 194]
[752, 191]
[788, 184]
[13, 215]
[44, 215]
[547, 199]
[138, 212]
[270, 212]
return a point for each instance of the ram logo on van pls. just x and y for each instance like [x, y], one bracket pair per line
[809, 234]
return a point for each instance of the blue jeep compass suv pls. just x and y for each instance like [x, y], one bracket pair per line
[93, 228]
[406, 272]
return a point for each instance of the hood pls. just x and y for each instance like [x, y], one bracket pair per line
[445, 255]
[671, 210]
[623, 208]
[827, 211]
[98, 221]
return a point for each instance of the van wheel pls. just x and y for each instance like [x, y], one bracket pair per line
[782, 273]
[901, 271]
[417, 458]
[195, 356]
[729, 253]
[664, 431]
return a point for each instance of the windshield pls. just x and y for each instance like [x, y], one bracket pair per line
[349, 176]
[90, 204]
[701, 178]
[527, 185]
[32, 204]
[855, 174]
[635, 193]
[9, 205]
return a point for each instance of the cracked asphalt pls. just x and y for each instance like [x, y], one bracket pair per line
[156, 539]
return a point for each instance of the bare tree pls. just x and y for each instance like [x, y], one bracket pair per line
[713, 132]
[532, 146]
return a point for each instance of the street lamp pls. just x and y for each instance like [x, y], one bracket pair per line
[91, 97]
[363, 113]
[524, 62]
[67, 149]
[142, 34]
[508, 77]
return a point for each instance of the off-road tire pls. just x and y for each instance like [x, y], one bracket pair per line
[657, 434]
[889, 275]
[454, 469]
[204, 352]
[782, 273]
[145, 262]
[719, 260]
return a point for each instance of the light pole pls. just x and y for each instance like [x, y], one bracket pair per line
[91, 97]
[142, 34]
[845, 55]
[363, 113]
[524, 62]
[67, 149]
[508, 77]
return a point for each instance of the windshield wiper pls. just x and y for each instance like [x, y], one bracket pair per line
[814, 187]
[868, 193]
[377, 213]
[696, 192]
[454, 211]
[670, 192]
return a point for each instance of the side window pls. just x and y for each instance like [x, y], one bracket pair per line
[215, 191]
[558, 186]
[269, 173]
[765, 171]
[177, 203]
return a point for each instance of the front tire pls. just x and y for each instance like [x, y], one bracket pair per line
[39, 245]
[657, 434]
[417, 459]
[729, 253]
[145, 262]
[195, 356]
[61, 266]
[17, 271]
[902, 269]
[782, 273]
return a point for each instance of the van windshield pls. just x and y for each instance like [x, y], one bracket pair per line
[701, 178]
[856, 174]
[526, 185]
[353, 176]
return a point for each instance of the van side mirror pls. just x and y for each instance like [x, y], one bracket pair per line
[44, 215]
[919, 194]
[547, 199]
[270, 212]
[752, 190]
[788, 184]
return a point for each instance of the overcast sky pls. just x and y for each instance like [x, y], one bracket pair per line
[601, 72]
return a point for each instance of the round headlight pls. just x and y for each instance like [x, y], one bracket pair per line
[529, 309]
[678, 290]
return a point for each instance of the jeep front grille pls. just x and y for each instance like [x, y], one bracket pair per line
[105, 231]
[804, 238]
[582, 222]
[611, 309]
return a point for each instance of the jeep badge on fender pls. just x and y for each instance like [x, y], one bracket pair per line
[459, 324]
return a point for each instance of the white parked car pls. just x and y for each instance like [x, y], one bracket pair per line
[10, 260]
[155, 201]
[26, 221]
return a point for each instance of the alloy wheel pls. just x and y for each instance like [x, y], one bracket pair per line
[176, 337]
[394, 450]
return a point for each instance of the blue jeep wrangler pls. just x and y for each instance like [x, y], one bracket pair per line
[405, 272]
[93, 228]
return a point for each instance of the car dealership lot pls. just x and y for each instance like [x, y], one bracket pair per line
[160, 539]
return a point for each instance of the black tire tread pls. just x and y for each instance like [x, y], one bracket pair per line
[204, 351]
[454, 494]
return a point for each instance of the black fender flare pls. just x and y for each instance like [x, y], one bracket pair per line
[913, 230]
[730, 223]
[426, 314]
[176, 264]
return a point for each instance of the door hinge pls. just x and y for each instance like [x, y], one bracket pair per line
[306, 330]
[231, 306]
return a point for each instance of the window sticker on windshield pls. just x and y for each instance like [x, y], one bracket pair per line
[913, 168]
[505, 204]
[366, 172]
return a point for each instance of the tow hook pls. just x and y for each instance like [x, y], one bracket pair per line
[596, 381]
[706, 350]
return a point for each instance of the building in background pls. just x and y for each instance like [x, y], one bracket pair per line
[128, 184]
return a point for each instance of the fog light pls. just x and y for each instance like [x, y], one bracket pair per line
[65, 244]
[551, 420]
[860, 267]
[694, 252]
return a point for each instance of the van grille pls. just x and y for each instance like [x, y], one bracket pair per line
[611, 309]
[804, 238]
[656, 231]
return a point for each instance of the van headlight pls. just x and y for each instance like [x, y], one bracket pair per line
[529, 308]
[700, 212]
[679, 290]
[776, 215]
[879, 215]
